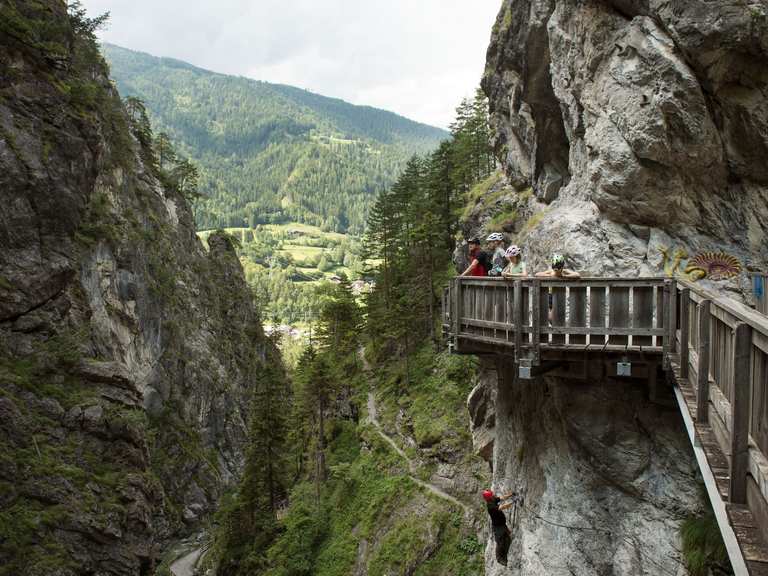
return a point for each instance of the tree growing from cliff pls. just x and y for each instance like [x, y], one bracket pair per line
[83, 26]
[472, 159]
[412, 228]
[176, 172]
[250, 520]
[186, 178]
[165, 151]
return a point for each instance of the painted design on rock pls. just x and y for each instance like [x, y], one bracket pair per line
[717, 265]
[710, 265]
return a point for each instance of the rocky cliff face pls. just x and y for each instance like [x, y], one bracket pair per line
[637, 123]
[623, 127]
[606, 476]
[127, 352]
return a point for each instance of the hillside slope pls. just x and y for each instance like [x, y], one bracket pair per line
[272, 153]
[128, 354]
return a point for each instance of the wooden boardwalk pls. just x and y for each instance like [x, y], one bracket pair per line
[712, 349]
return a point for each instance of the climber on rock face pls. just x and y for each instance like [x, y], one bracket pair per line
[499, 523]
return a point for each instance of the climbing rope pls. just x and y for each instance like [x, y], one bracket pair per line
[566, 526]
[518, 500]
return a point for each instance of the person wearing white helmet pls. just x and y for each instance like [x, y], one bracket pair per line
[498, 258]
[516, 267]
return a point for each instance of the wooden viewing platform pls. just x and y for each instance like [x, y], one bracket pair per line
[713, 350]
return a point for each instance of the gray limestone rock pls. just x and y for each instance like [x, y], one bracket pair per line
[605, 475]
[93, 416]
[153, 402]
[647, 113]
[481, 404]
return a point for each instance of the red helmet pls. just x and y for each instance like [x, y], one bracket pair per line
[487, 495]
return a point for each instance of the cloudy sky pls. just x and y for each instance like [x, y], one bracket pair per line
[414, 57]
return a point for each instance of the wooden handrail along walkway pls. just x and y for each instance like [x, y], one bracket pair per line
[712, 349]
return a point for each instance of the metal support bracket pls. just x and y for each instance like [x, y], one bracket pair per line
[624, 368]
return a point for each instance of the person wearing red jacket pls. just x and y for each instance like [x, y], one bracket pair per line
[478, 260]
[499, 523]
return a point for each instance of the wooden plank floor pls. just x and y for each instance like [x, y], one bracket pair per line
[751, 542]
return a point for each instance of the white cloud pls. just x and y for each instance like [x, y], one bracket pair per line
[414, 57]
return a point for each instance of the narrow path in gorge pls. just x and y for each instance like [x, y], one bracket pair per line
[185, 566]
[373, 418]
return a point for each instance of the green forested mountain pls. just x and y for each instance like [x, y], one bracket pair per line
[270, 153]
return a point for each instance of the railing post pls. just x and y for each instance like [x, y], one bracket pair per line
[535, 324]
[509, 308]
[702, 395]
[518, 319]
[670, 301]
[457, 299]
[685, 326]
[740, 412]
[445, 299]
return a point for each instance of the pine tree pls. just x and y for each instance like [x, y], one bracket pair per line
[186, 177]
[411, 232]
[251, 520]
[139, 120]
[315, 386]
[166, 154]
[269, 425]
[339, 321]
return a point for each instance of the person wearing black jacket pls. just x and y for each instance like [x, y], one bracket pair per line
[479, 260]
[499, 523]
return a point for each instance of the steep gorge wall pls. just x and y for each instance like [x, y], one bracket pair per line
[622, 127]
[606, 476]
[127, 352]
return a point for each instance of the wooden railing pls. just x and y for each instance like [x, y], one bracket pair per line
[723, 356]
[585, 313]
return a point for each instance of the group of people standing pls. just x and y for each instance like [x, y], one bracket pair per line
[508, 263]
